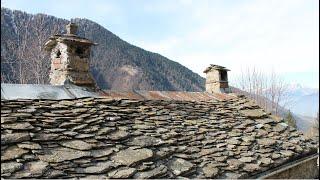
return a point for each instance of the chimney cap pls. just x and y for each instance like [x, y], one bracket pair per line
[216, 67]
[70, 37]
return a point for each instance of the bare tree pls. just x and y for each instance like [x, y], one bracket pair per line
[268, 90]
[30, 63]
[277, 93]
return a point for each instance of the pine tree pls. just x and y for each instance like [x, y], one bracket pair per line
[290, 120]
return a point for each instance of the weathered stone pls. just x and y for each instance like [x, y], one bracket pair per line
[298, 149]
[18, 126]
[106, 130]
[33, 170]
[280, 127]
[62, 154]
[132, 156]
[253, 113]
[265, 121]
[29, 145]
[246, 154]
[145, 141]
[220, 145]
[67, 124]
[275, 156]
[51, 174]
[142, 126]
[81, 126]
[70, 133]
[45, 136]
[246, 159]
[204, 152]
[21, 115]
[262, 133]
[10, 167]
[221, 158]
[266, 161]
[122, 173]
[101, 167]
[14, 138]
[103, 152]
[76, 144]
[234, 164]
[259, 126]
[8, 119]
[12, 152]
[180, 166]
[84, 135]
[119, 135]
[266, 141]
[287, 153]
[55, 130]
[250, 167]
[79, 110]
[233, 141]
[210, 170]
[100, 177]
[29, 157]
[248, 138]
[164, 152]
[154, 173]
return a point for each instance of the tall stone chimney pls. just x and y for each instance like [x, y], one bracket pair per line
[70, 59]
[217, 79]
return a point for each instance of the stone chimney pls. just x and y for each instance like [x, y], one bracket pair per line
[70, 59]
[217, 79]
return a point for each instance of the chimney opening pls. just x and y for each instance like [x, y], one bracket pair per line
[58, 54]
[223, 76]
[79, 51]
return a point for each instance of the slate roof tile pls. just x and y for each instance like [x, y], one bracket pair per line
[144, 138]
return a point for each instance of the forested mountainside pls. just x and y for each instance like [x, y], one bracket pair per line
[116, 64]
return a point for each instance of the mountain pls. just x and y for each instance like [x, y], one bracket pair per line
[304, 123]
[116, 64]
[304, 104]
[302, 97]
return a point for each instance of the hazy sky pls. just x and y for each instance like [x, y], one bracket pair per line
[282, 35]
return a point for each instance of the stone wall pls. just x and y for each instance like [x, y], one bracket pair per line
[302, 169]
[99, 138]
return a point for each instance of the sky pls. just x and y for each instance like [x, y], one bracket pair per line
[270, 35]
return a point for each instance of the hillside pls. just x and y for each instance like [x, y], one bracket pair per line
[303, 122]
[116, 64]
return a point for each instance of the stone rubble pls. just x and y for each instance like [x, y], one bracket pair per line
[102, 138]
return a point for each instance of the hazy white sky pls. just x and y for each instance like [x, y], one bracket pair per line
[282, 35]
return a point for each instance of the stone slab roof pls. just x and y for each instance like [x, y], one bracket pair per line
[213, 66]
[66, 38]
[110, 138]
